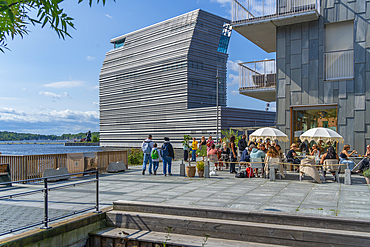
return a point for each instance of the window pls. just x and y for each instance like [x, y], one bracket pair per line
[119, 43]
[338, 57]
[225, 38]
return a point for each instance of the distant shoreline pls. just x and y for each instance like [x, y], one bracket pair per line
[21, 142]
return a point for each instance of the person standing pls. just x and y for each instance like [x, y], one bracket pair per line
[194, 148]
[209, 143]
[155, 155]
[147, 146]
[167, 156]
[233, 154]
[186, 151]
[242, 144]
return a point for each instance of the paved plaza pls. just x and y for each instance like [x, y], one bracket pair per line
[287, 195]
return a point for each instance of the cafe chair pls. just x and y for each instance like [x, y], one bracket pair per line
[257, 163]
[332, 166]
[272, 166]
[213, 159]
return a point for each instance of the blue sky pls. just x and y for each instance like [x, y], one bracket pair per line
[50, 85]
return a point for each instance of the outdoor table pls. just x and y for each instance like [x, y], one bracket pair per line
[357, 160]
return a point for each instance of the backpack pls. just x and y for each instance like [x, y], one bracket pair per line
[155, 154]
[165, 151]
[146, 147]
[249, 172]
[241, 174]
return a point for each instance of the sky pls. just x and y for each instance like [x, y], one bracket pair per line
[51, 86]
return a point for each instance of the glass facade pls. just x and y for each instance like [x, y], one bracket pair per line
[225, 38]
[119, 43]
[305, 118]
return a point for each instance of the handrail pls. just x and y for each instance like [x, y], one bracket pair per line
[46, 191]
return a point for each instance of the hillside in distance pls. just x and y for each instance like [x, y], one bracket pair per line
[14, 136]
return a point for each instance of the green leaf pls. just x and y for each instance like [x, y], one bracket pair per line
[11, 15]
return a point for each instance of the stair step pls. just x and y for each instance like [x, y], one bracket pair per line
[117, 236]
[278, 234]
[325, 222]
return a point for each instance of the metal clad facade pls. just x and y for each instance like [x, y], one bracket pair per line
[162, 81]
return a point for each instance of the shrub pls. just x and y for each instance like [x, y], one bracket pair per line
[135, 157]
[95, 139]
[200, 165]
[367, 173]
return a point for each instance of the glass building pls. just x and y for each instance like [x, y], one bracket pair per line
[161, 80]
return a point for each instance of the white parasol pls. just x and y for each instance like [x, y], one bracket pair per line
[269, 133]
[323, 134]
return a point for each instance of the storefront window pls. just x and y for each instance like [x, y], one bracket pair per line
[305, 118]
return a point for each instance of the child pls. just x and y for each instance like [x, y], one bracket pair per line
[155, 158]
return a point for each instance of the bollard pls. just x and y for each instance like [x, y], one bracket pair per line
[206, 170]
[182, 168]
[272, 174]
[347, 176]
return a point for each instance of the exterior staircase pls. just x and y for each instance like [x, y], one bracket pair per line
[156, 224]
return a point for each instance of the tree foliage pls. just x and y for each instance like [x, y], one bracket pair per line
[15, 16]
[13, 136]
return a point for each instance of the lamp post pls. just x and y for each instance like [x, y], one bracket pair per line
[217, 78]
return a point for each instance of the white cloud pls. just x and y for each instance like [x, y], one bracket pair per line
[62, 84]
[9, 114]
[109, 16]
[95, 87]
[90, 58]
[234, 92]
[233, 80]
[96, 104]
[222, 2]
[24, 89]
[233, 65]
[54, 95]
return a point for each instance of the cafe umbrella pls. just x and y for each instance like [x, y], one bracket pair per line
[268, 133]
[321, 134]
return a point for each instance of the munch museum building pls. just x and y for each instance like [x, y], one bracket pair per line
[165, 80]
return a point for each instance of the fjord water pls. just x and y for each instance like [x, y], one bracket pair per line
[42, 147]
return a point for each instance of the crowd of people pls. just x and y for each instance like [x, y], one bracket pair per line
[227, 154]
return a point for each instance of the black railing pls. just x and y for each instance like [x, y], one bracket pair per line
[46, 191]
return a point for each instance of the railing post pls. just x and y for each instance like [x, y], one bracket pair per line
[97, 192]
[46, 213]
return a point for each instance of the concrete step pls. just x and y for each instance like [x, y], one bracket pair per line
[316, 221]
[237, 230]
[117, 237]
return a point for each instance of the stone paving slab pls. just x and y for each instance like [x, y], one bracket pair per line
[287, 195]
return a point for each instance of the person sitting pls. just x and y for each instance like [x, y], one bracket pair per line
[273, 153]
[331, 154]
[257, 154]
[290, 156]
[278, 148]
[245, 155]
[263, 148]
[365, 162]
[216, 153]
[314, 151]
[344, 157]
[302, 146]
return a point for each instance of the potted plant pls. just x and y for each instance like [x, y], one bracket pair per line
[185, 144]
[200, 168]
[366, 174]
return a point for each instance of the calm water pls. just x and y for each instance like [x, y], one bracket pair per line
[14, 148]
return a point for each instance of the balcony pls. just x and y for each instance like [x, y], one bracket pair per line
[258, 79]
[257, 19]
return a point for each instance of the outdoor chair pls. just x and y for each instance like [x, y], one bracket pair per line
[213, 159]
[332, 165]
[257, 163]
[273, 166]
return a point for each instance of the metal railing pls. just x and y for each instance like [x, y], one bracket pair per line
[244, 10]
[338, 65]
[46, 191]
[257, 74]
